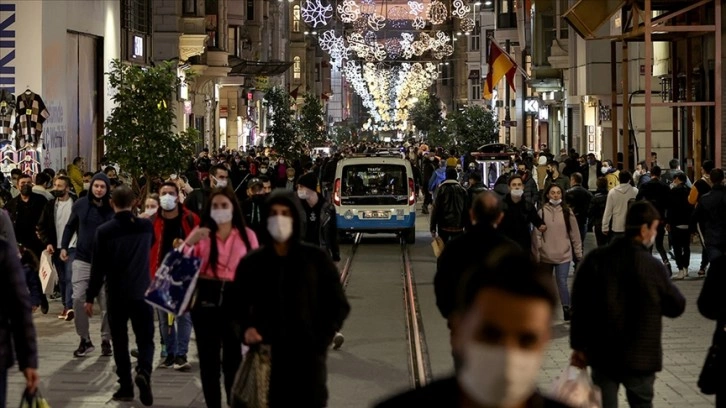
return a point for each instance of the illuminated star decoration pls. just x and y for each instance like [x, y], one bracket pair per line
[314, 13]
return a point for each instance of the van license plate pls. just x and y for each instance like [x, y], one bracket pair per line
[377, 214]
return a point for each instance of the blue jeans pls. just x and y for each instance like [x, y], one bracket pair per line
[562, 271]
[65, 276]
[638, 388]
[176, 337]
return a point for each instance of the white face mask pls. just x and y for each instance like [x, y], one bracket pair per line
[167, 202]
[221, 215]
[263, 171]
[173, 176]
[516, 193]
[280, 227]
[220, 183]
[555, 202]
[302, 194]
[497, 376]
[86, 186]
[604, 170]
[150, 211]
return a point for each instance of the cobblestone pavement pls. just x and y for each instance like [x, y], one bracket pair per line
[89, 382]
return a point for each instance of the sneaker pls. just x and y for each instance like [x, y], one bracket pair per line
[123, 394]
[181, 363]
[63, 314]
[168, 362]
[134, 353]
[338, 340]
[106, 349]
[701, 273]
[566, 313]
[84, 348]
[145, 396]
[682, 274]
[70, 315]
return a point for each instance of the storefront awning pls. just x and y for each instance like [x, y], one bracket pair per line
[242, 67]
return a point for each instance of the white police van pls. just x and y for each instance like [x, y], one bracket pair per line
[375, 193]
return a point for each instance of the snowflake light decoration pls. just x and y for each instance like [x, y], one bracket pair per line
[349, 11]
[418, 23]
[437, 12]
[461, 10]
[393, 47]
[467, 25]
[416, 7]
[314, 13]
[376, 22]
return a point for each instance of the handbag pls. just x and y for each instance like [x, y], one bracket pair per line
[711, 378]
[251, 387]
[47, 273]
[438, 246]
[33, 400]
[174, 283]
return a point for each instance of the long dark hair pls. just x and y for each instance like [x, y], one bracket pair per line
[546, 199]
[238, 222]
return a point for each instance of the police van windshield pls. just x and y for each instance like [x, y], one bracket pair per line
[374, 184]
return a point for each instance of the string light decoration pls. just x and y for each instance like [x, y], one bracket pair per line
[467, 24]
[349, 11]
[461, 10]
[437, 12]
[376, 21]
[314, 13]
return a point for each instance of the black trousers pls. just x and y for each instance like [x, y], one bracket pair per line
[449, 235]
[659, 243]
[681, 240]
[217, 346]
[120, 311]
[601, 238]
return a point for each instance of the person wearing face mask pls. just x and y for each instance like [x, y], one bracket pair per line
[52, 222]
[503, 299]
[559, 244]
[291, 180]
[320, 223]
[151, 206]
[288, 295]
[591, 172]
[252, 206]
[519, 215]
[619, 296]
[221, 242]
[218, 178]
[610, 173]
[173, 222]
[25, 211]
[87, 214]
[87, 177]
[554, 177]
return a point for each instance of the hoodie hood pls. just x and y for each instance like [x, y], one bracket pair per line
[623, 188]
[290, 200]
[102, 176]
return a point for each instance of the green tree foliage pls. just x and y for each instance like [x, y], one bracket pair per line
[426, 115]
[472, 127]
[281, 134]
[342, 135]
[140, 134]
[312, 121]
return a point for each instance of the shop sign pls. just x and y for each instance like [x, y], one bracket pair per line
[7, 48]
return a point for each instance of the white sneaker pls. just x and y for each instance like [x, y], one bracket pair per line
[682, 274]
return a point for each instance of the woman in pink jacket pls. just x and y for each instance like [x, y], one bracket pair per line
[221, 242]
[555, 246]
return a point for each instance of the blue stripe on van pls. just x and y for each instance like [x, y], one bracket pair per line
[391, 224]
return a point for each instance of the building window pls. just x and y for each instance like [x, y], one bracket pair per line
[189, 7]
[296, 68]
[475, 89]
[296, 19]
[474, 37]
[506, 16]
[250, 9]
[136, 30]
[233, 40]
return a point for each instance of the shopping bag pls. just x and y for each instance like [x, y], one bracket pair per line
[575, 388]
[34, 400]
[48, 274]
[173, 285]
[251, 386]
[438, 246]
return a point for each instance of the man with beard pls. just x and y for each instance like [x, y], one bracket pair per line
[87, 214]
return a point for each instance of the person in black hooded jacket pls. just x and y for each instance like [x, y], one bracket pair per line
[288, 295]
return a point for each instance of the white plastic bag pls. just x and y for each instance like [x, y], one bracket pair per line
[575, 388]
[48, 274]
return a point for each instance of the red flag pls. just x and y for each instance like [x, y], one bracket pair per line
[500, 64]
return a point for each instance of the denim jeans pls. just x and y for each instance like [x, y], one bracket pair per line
[562, 271]
[176, 336]
[638, 388]
[65, 276]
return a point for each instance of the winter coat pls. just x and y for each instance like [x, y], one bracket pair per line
[710, 215]
[679, 210]
[578, 199]
[451, 207]
[76, 176]
[518, 221]
[657, 193]
[597, 208]
[619, 296]
[613, 178]
[46, 225]
[555, 245]
[189, 220]
[616, 207]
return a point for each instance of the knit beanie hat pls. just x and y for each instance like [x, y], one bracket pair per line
[309, 180]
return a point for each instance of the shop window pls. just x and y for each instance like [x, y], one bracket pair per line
[296, 65]
[475, 89]
[250, 10]
[189, 7]
[136, 30]
[296, 19]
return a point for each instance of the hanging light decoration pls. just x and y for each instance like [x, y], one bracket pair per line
[314, 13]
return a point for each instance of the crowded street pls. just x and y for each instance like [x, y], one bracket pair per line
[373, 363]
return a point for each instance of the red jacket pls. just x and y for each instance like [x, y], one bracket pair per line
[189, 222]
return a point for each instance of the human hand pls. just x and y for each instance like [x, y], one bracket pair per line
[578, 359]
[64, 255]
[198, 235]
[32, 379]
[89, 309]
[50, 249]
[605, 232]
[252, 336]
[542, 228]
